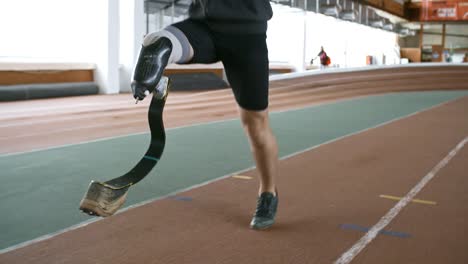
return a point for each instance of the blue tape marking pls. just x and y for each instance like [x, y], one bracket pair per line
[383, 232]
[151, 158]
[181, 198]
[397, 234]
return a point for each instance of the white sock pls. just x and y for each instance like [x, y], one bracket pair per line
[181, 49]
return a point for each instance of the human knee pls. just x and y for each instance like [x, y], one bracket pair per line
[253, 118]
[256, 126]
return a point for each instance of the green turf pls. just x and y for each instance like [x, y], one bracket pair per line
[41, 190]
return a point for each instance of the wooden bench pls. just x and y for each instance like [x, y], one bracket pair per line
[33, 80]
[12, 73]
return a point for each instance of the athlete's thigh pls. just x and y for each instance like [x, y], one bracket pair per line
[245, 59]
[201, 40]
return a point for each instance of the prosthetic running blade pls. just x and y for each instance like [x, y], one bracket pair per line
[105, 198]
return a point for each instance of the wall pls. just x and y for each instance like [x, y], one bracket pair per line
[132, 32]
[52, 29]
[62, 31]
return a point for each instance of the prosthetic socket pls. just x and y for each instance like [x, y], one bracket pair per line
[151, 63]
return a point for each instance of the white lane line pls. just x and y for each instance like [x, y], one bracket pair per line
[48, 236]
[349, 255]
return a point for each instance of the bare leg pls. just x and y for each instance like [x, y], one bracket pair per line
[263, 146]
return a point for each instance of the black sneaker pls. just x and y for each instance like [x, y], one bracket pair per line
[265, 213]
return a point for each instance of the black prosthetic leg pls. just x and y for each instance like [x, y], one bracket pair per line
[105, 198]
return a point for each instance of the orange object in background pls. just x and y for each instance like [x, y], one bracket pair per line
[449, 10]
[463, 11]
[439, 11]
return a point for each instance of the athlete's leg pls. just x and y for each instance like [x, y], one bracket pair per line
[265, 151]
[263, 146]
[245, 59]
[159, 49]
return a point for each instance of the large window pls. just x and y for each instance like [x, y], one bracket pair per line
[161, 13]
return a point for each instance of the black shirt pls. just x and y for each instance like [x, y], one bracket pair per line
[233, 16]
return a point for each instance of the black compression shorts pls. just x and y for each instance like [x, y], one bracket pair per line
[244, 56]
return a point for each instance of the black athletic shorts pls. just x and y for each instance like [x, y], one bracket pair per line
[244, 56]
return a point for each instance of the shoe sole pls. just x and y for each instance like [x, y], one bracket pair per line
[262, 227]
[96, 201]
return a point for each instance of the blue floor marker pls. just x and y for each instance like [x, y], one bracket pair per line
[383, 232]
[181, 198]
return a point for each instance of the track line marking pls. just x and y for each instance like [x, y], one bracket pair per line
[396, 198]
[242, 177]
[383, 232]
[349, 255]
[181, 198]
[49, 236]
